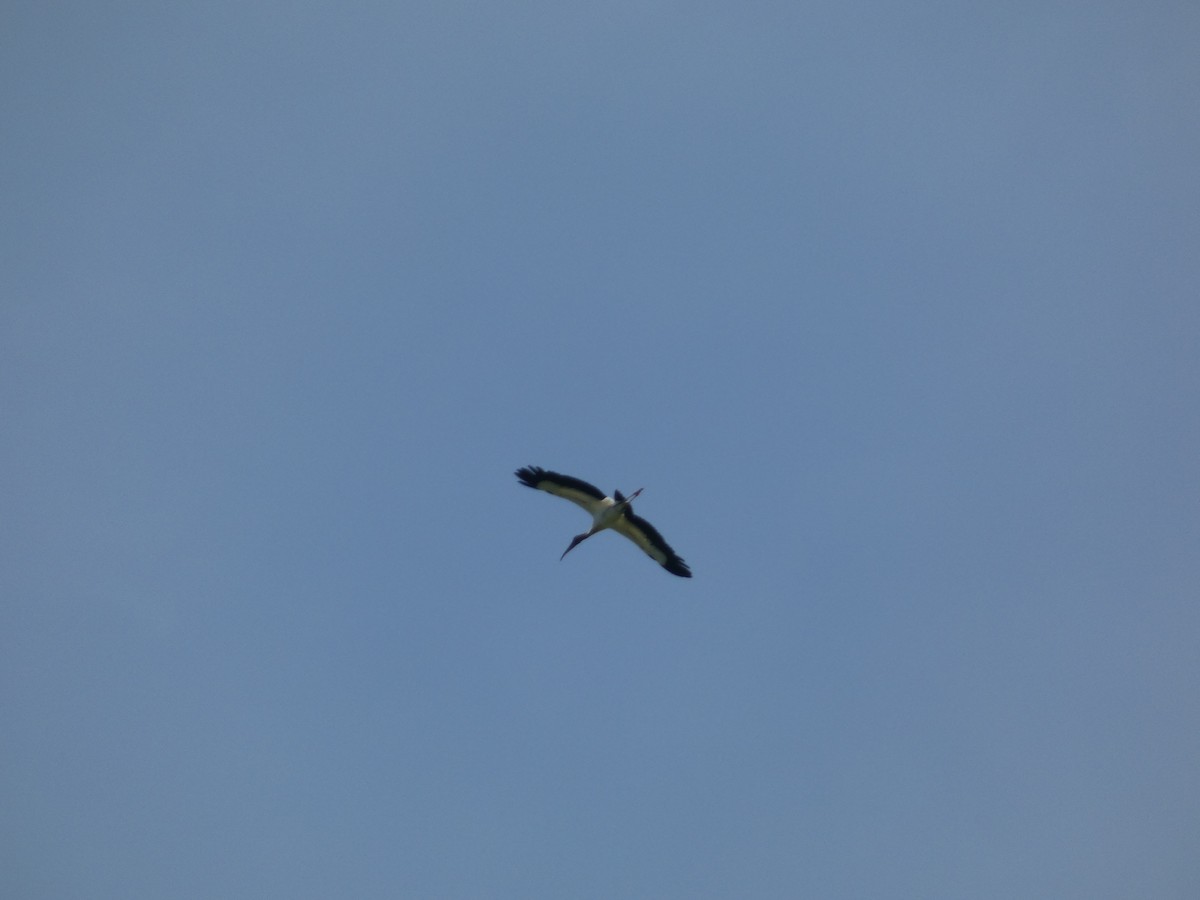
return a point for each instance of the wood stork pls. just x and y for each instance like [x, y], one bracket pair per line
[614, 512]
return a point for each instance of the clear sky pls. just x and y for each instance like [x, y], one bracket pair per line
[892, 309]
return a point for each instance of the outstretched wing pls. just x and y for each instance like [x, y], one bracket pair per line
[647, 537]
[578, 492]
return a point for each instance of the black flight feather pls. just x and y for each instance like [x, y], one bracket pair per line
[674, 564]
[532, 476]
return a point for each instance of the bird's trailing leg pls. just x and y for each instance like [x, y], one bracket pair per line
[621, 498]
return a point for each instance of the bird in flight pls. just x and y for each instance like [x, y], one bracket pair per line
[614, 512]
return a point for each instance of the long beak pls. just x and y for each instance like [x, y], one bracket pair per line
[578, 539]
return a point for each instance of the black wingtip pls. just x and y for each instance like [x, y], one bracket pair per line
[530, 475]
[678, 567]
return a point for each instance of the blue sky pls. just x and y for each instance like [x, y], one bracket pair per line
[890, 308]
